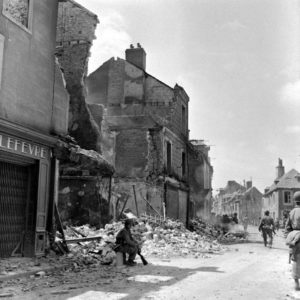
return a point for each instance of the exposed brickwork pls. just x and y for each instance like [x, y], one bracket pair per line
[132, 151]
[129, 95]
[115, 93]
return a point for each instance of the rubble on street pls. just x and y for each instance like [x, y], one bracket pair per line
[162, 239]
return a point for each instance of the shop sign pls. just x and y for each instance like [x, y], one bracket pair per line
[20, 146]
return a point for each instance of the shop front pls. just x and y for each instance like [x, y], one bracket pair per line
[25, 179]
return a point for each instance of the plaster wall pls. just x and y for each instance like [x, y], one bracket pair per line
[29, 88]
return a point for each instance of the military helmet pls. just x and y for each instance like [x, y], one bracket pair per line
[296, 197]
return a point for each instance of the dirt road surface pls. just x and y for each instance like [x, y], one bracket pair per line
[246, 271]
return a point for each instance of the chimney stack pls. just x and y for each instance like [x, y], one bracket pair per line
[249, 184]
[280, 169]
[136, 56]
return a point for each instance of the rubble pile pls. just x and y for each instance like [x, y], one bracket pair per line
[233, 237]
[232, 234]
[207, 229]
[163, 239]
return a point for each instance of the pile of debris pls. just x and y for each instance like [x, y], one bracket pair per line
[233, 237]
[163, 239]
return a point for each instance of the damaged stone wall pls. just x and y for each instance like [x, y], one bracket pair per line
[81, 198]
[200, 176]
[18, 10]
[130, 97]
[75, 33]
[153, 193]
[132, 149]
[84, 200]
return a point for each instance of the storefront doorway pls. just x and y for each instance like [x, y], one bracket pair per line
[18, 197]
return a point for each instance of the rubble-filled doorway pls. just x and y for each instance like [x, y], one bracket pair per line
[17, 207]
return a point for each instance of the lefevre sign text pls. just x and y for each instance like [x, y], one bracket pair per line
[22, 147]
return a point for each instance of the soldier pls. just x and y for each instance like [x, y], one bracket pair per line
[267, 228]
[126, 244]
[292, 228]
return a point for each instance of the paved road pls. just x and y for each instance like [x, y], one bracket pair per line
[247, 271]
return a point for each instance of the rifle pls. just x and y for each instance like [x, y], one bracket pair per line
[142, 257]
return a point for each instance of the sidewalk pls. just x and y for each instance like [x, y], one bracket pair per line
[16, 267]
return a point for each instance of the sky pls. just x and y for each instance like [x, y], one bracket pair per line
[239, 62]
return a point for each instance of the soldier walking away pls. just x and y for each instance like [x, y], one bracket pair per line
[267, 228]
[292, 230]
[126, 244]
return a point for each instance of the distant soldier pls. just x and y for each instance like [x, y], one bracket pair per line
[235, 218]
[267, 228]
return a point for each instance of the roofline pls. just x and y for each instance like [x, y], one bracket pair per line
[82, 7]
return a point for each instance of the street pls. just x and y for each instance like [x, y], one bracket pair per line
[245, 271]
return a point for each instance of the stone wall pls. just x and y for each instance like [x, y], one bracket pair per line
[84, 200]
[75, 33]
[18, 10]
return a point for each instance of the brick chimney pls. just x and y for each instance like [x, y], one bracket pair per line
[136, 56]
[279, 170]
[249, 184]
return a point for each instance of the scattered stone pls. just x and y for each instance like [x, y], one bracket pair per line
[62, 292]
[4, 295]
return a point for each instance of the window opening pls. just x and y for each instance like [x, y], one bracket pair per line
[18, 10]
[169, 157]
[183, 164]
[287, 197]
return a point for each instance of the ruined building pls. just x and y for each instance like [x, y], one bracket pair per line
[33, 113]
[85, 180]
[244, 200]
[200, 175]
[35, 105]
[145, 122]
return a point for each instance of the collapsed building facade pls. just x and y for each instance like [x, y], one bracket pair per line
[200, 180]
[85, 180]
[145, 121]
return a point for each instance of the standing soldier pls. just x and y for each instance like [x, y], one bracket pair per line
[293, 229]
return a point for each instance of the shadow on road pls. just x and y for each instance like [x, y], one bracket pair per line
[142, 280]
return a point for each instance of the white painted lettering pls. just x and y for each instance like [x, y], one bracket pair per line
[24, 146]
[9, 142]
[1, 145]
[43, 153]
[17, 142]
[31, 149]
[37, 151]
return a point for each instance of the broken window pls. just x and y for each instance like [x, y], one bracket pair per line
[18, 10]
[169, 157]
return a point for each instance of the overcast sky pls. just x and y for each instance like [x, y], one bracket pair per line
[239, 62]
